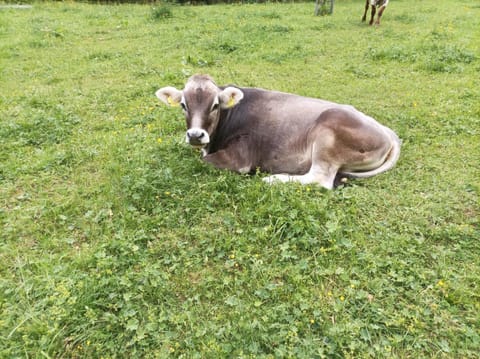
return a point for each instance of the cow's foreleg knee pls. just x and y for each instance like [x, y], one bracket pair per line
[226, 160]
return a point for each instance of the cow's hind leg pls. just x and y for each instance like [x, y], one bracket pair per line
[374, 9]
[322, 172]
[379, 15]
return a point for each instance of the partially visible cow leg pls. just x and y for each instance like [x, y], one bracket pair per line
[374, 9]
[229, 159]
[340, 180]
[366, 10]
[380, 12]
[341, 142]
[320, 173]
[323, 169]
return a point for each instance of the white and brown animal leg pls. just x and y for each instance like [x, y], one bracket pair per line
[322, 170]
[373, 11]
[322, 174]
[367, 5]
[380, 12]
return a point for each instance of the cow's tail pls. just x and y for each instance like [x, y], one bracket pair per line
[389, 162]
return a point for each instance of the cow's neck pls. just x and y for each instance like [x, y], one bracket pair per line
[220, 133]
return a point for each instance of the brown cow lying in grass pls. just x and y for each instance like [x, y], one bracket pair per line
[380, 4]
[293, 138]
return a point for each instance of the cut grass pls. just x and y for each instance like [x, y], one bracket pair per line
[117, 240]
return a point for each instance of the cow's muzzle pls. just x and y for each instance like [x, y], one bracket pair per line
[197, 137]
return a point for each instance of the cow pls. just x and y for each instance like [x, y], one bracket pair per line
[291, 137]
[374, 4]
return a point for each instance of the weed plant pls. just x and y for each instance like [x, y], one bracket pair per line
[162, 12]
[118, 241]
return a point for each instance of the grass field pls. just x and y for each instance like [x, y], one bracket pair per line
[118, 241]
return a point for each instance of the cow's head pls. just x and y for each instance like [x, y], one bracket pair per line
[201, 101]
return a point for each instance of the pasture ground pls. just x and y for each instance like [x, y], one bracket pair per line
[118, 241]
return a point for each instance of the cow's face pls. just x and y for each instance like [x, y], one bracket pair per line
[201, 101]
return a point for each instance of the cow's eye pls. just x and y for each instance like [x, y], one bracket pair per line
[184, 106]
[215, 107]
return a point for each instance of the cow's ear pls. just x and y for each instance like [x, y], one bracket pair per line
[169, 95]
[230, 97]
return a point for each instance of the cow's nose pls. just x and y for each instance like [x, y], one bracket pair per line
[195, 135]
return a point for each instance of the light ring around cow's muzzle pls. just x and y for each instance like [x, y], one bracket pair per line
[197, 137]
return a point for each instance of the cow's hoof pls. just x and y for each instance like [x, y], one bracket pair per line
[277, 179]
[340, 181]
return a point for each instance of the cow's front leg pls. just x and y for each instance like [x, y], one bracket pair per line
[230, 159]
[364, 17]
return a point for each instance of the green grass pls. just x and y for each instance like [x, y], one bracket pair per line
[118, 241]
